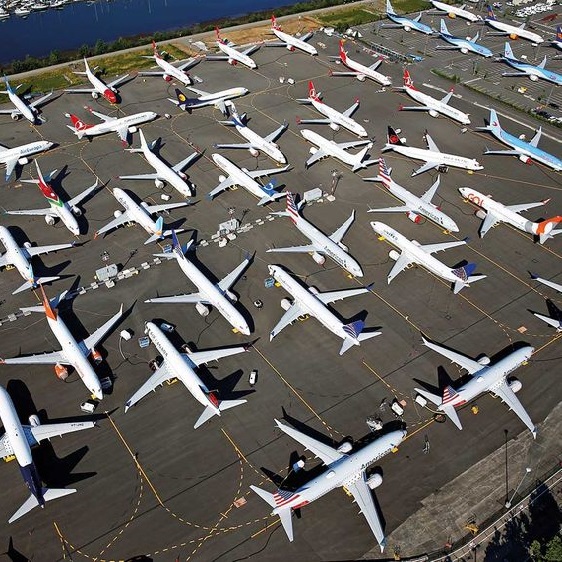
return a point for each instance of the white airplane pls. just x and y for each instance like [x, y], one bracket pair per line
[360, 71]
[454, 11]
[321, 245]
[406, 23]
[513, 31]
[168, 71]
[343, 469]
[247, 179]
[334, 118]
[551, 284]
[464, 45]
[66, 211]
[108, 91]
[19, 258]
[18, 440]
[534, 72]
[120, 125]
[182, 367]
[494, 212]
[20, 154]
[256, 143]
[72, 353]
[209, 294]
[21, 108]
[217, 99]
[163, 173]
[432, 105]
[415, 207]
[232, 55]
[141, 215]
[337, 150]
[308, 300]
[554, 318]
[290, 41]
[485, 377]
[414, 252]
[525, 151]
[433, 157]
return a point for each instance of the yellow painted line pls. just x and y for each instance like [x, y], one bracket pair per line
[418, 430]
[265, 529]
[238, 451]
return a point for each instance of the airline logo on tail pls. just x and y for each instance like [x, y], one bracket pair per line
[312, 92]
[154, 48]
[392, 137]
[159, 226]
[274, 23]
[283, 497]
[449, 396]
[408, 82]
[490, 12]
[47, 305]
[559, 33]
[353, 329]
[176, 244]
[384, 173]
[48, 193]
[219, 38]
[78, 124]
[343, 54]
[463, 273]
[546, 226]
[292, 209]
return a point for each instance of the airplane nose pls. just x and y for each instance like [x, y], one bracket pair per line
[98, 394]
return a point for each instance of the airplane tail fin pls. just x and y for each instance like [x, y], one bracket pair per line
[384, 173]
[559, 33]
[343, 54]
[465, 277]
[389, 8]
[544, 229]
[449, 394]
[444, 28]
[270, 193]
[494, 125]
[211, 411]
[354, 335]
[392, 139]
[408, 82]
[360, 156]
[284, 514]
[312, 94]
[508, 52]
[31, 502]
[30, 285]
[274, 23]
[78, 126]
[227, 404]
[490, 12]
[158, 231]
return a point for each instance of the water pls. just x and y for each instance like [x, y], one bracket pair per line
[82, 23]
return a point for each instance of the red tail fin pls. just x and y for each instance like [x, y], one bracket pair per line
[343, 54]
[546, 226]
[47, 305]
[408, 82]
[274, 22]
[312, 91]
[79, 125]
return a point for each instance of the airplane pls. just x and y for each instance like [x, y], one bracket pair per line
[321, 245]
[494, 212]
[20, 154]
[108, 91]
[72, 353]
[464, 45]
[256, 142]
[454, 11]
[360, 71]
[555, 286]
[308, 300]
[247, 179]
[343, 469]
[530, 70]
[337, 150]
[182, 366]
[164, 173]
[430, 104]
[208, 293]
[333, 117]
[415, 207]
[18, 440]
[513, 31]
[232, 55]
[141, 215]
[66, 211]
[21, 108]
[433, 157]
[554, 318]
[493, 378]
[168, 71]
[19, 258]
[414, 252]
[289, 41]
[220, 100]
[120, 125]
[525, 151]
[404, 22]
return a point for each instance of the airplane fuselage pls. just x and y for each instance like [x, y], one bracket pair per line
[60, 208]
[166, 173]
[18, 257]
[25, 150]
[513, 31]
[456, 11]
[136, 212]
[228, 94]
[236, 56]
[441, 158]
[116, 124]
[534, 72]
[409, 24]
[465, 45]
[339, 119]
[294, 42]
[438, 106]
[23, 108]
[238, 175]
[363, 70]
[259, 143]
[172, 71]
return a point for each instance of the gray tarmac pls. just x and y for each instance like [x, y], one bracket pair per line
[148, 484]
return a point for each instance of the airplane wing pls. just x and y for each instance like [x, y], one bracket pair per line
[344, 72]
[250, 50]
[508, 396]
[401, 264]
[260, 173]
[158, 378]
[462, 361]
[353, 144]
[41, 100]
[318, 155]
[5, 447]
[321, 450]
[375, 65]
[152, 72]
[434, 248]
[428, 195]
[91, 341]
[226, 282]
[123, 132]
[431, 143]
[415, 108]
[151, 176]
[535, 140]
[102, 116]
[427, 166]
[188, 298]
[446, 99]
[489, 221]
[364, 499]
[234, 145]
[15, 111]
[48, 430]
[397, 209]
[39, 359]
[117, 81]
[186, 162]
[202, 357]
[340, 232]
[4, 261]
[332, 296]
[351, 110]
[554, 322]
[76, 200]
[223, 185]
[289, 317]
[165, 207]
[272, 137]
[48, 211]
[524, 206]
[314, 121]
[296, 249]
[192, 61]
[80, 91]
[10, 166]
[514, 73]
[121, 219]
[37, 250]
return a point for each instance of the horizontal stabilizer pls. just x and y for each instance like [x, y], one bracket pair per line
[210, 411]
[29, 284]
[429, 396]
[31, 502]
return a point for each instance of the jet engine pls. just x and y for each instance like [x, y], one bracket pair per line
[34, 420]
[76, 211]
[407, 28]
[27, 244]
[159, 183]
[232, 62]
[514, 384]
[254, 152]
[50, 220]
[394, 254]
[133, 129]
[23, 161]
[222, 178]
[313, 150]
[95, 95]
[290, 48]
[318, 258]
[167, 77]
[483, 360]
[61, 372]
[513, 36]
[533, 77]
[15, 116]
[343, 246]
[96, 356]
[117, 213]
[525, 159]
[202, 309]
[345, 447]
[313, 290]
[182, 175]
[361, 77]
[414, 217]
[433, 113]
[481, 214]
[231, 296]
[374, 481]
[286, 304]
[334, 127]
[145, 204]
[464, 50]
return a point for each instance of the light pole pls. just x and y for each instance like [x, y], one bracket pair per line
[508, 502]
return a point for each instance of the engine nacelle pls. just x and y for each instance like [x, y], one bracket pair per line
[202, 309]
[407, 28]
[167, 77]
[133, 129]
[159, 184]
[50, 220]
[515, 384]
[254, 152]
[222, 178]
[513, 36]
[290, 48]
[414, 217]
[182, 175]
[231, 296]
[318, 258]
[95, 95]
[345, 447]
[313, 290]
[76, 211]
[533, 78]
[23, 161]
[286, 304]
[232, 62]
[481, 214]
[394, 254]
[464, 50]
[433, 113]
[145, 204]
[374, 481]
[117, 213]
[96, 356]
[525, 159]
[334, 127]
[313, 150]
[27, 244]
[15, 116]
[34, 420]
[361, 77]
[61, 372]
[343, 246]
[483, 360]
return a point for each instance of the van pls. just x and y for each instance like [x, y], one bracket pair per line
[88, 407]
[252, 379]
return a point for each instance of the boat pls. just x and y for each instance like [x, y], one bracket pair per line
[22, 12]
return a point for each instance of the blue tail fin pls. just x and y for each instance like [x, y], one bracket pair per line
[269, 188]
[353, 329]
[490, 12]
[465, 272]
